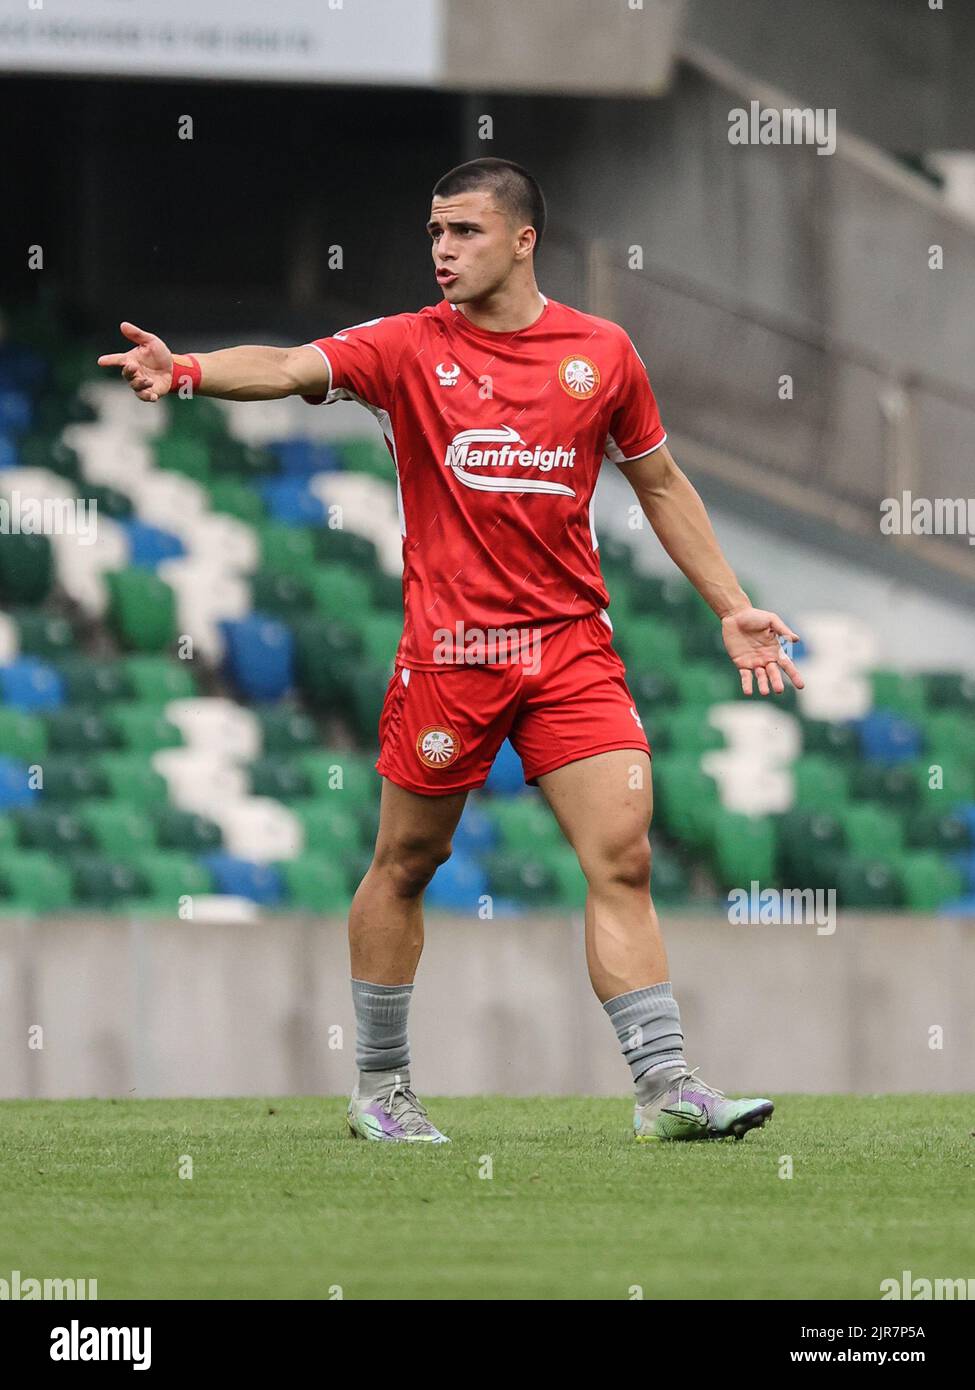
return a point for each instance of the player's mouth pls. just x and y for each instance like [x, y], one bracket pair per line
[445, 276]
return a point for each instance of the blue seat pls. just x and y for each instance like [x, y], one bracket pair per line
[14, 790]
[961, 907]
[15, 411]
[477, 833]
[21, 368]
[507, 773]
[886, 737]
[148, 545]
[28, 684]
[260, 657]
[8, 452]
[305, 456]
[289, 500]
[241, 878]
[458, 884]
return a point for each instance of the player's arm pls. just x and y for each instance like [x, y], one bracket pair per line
[674, 509]
[249, 373]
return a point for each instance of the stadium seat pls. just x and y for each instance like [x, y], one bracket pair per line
[31, 685]
[237, 878]
[15, 788]
[33, 882]
[260, 659]
[316, 883]
[142, 610]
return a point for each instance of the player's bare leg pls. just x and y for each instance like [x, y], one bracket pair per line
[604, 806]
[385, 941]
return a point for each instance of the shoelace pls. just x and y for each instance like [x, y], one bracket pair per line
[699, 1085]
[416, 1117]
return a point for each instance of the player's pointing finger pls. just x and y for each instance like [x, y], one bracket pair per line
[134, 334]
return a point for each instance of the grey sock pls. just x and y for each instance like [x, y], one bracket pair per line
[647, 1023]
[381, 1041]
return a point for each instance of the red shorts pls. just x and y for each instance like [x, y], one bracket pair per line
[565, 699]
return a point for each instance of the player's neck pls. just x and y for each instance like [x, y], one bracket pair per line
[508, 310]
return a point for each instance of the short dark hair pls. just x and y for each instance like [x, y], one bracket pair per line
[513, 188]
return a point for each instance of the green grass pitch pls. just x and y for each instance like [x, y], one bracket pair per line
[282, 1205]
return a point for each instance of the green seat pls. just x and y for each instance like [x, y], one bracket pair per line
[142, 728]
[103, 882]
[130, 777]
[871, 832]
[335, 545]
[50, 452]
[368, 456]
[949, 737]
[652, 690]
[90, 681]
[156, 680]
[8, 833]
[821, 784]
[26, 568]
[688, 731]
[285, 730]
[381, 633]
[668, 877]
[901, 694]
[744, 849]
[570, 886]
[367, 688]
[928, 880]
[199, 418]
[949, 690]
[43, 634]
[77, 729]
[52, 828]
[345, 776]
[317, 883]
[110, 501]
[121, 831]
[70, 778]
[287, 549]
[707, 683]
[326, 655]
[868, 882]
[808, 843]
[523, 819]
[183, 454]
[330, 827]
[167, 873]
[234, 459]
[649, 644]
[524, 875]
[282, 595]
[184, 830]
[278, 777]
[236, 499]
[686, 799]
[339, 591]
[950, 784]
[930, 828]
[31, 880]
[386, 591]
[22, 736]
[835, 741]
[895, 784]
[142, 609]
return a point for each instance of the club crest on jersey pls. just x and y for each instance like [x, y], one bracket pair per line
[578, 377]
[437, 747]
[447, 376]
[505, 448]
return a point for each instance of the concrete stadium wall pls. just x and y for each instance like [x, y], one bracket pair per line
[188, 1009]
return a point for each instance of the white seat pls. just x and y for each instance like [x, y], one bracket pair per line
[260, 829]
[747, 787]
[166, 500]
[217, 726]
[761, 730]
[118, 405]
[9, 639]
[214, 536]
[833, 693]
[839, 638]
[200, 782]
[221, 907]
[39, 483]
[80, 568]
[109, 453]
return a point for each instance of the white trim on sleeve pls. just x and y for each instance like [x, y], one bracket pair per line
[614, 453]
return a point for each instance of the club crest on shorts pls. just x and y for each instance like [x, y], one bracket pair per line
[578, 377]
[437, 747]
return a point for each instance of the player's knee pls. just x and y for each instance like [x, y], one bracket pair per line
[623, 865]
[410, 865]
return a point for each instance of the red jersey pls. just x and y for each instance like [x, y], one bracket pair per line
[497, 440]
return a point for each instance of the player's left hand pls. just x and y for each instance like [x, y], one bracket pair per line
[751, 638]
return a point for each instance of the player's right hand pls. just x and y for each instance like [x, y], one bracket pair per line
[148, 367]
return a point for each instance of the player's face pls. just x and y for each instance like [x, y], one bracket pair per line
[474, 245]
